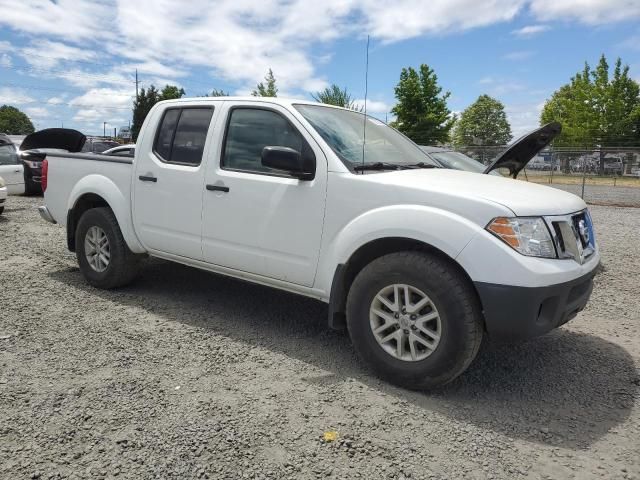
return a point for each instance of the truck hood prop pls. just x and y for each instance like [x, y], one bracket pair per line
[516, 157]
[59, 138]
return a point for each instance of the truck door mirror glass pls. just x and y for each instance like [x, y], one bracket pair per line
[286, 159]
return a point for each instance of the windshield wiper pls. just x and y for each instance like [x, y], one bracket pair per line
[379, 166]
[422, 165]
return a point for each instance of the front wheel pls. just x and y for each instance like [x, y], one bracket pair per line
[414, 319]
[104, 257]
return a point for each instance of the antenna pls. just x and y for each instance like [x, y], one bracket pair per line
[366, 91]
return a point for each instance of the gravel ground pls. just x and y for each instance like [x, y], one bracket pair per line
[186, 374]
[605, 194]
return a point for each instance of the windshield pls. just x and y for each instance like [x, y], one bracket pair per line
[343, 130]
[458, 161]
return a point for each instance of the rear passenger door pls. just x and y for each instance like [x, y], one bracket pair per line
[169, 181]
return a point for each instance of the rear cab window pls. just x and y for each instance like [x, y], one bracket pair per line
[182, 135]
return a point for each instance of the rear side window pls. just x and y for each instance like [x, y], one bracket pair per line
[182, 135]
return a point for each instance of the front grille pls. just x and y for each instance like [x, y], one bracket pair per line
[572, 235]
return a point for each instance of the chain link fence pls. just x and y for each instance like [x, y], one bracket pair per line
[607, 176]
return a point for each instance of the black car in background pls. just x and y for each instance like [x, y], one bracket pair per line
[32, 173]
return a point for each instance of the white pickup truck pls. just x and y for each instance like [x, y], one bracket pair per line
[419, 263]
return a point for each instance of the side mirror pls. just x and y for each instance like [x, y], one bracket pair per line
[288, 160]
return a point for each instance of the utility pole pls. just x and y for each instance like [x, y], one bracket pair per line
[137, 82]
[104, 129]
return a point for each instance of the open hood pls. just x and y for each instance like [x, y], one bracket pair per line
[59, 138]
[516, 157]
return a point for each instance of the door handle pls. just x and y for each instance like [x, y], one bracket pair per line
[146, 178]
[217, 188]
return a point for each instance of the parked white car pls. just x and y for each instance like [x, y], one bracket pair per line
[11, 167]
[3, 195]
[128, 150]
[418, 262]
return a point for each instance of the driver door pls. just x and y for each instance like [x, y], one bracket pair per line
[256, 219]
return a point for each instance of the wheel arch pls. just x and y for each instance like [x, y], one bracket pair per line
[95, 191]
[345, 273]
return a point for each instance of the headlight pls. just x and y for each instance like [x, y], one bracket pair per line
[1, 182]
[527, 235]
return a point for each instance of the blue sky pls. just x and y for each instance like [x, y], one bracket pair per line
[72, 62]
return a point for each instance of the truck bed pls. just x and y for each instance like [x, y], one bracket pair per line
[71, 174]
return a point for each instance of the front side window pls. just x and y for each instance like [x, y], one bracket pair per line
[249, 130]
[344, 131]
[182, 135]
[8, 155]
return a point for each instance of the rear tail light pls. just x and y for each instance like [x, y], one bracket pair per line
[45, 172]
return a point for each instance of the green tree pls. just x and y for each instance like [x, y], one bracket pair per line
[268, 90]
[334, 95]
[145, 101]
[596, 109]
[421, 112]
[14, 122]
[217, 93]
[483, 123]
[170, 92]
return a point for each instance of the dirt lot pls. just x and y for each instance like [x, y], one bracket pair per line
[187, 374]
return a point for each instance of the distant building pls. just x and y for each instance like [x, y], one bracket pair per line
[125, 133]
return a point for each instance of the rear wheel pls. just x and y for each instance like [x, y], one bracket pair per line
[104, 257]
[414, 319]
[1, 210]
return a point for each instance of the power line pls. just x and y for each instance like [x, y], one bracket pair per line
[72, 104]
[53, 89]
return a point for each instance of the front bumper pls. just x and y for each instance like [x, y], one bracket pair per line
[519, 313]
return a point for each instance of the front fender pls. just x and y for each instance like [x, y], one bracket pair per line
[443, 230]
[104, 187]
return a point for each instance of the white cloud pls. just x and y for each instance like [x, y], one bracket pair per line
[14, 96]
[37, 112]
[5, 60]
[501, 86]
[374, 106]
[56, 101]
[69, 19]
[593, 12]
[236, 41]
[523, 117]
[402, 19]
[632, 43]
[103, 105]
[518, 56]
[530, 30]
[46, 54]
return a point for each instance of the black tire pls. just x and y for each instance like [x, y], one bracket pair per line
[123, 264]
[455, 300]
[1, 210]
